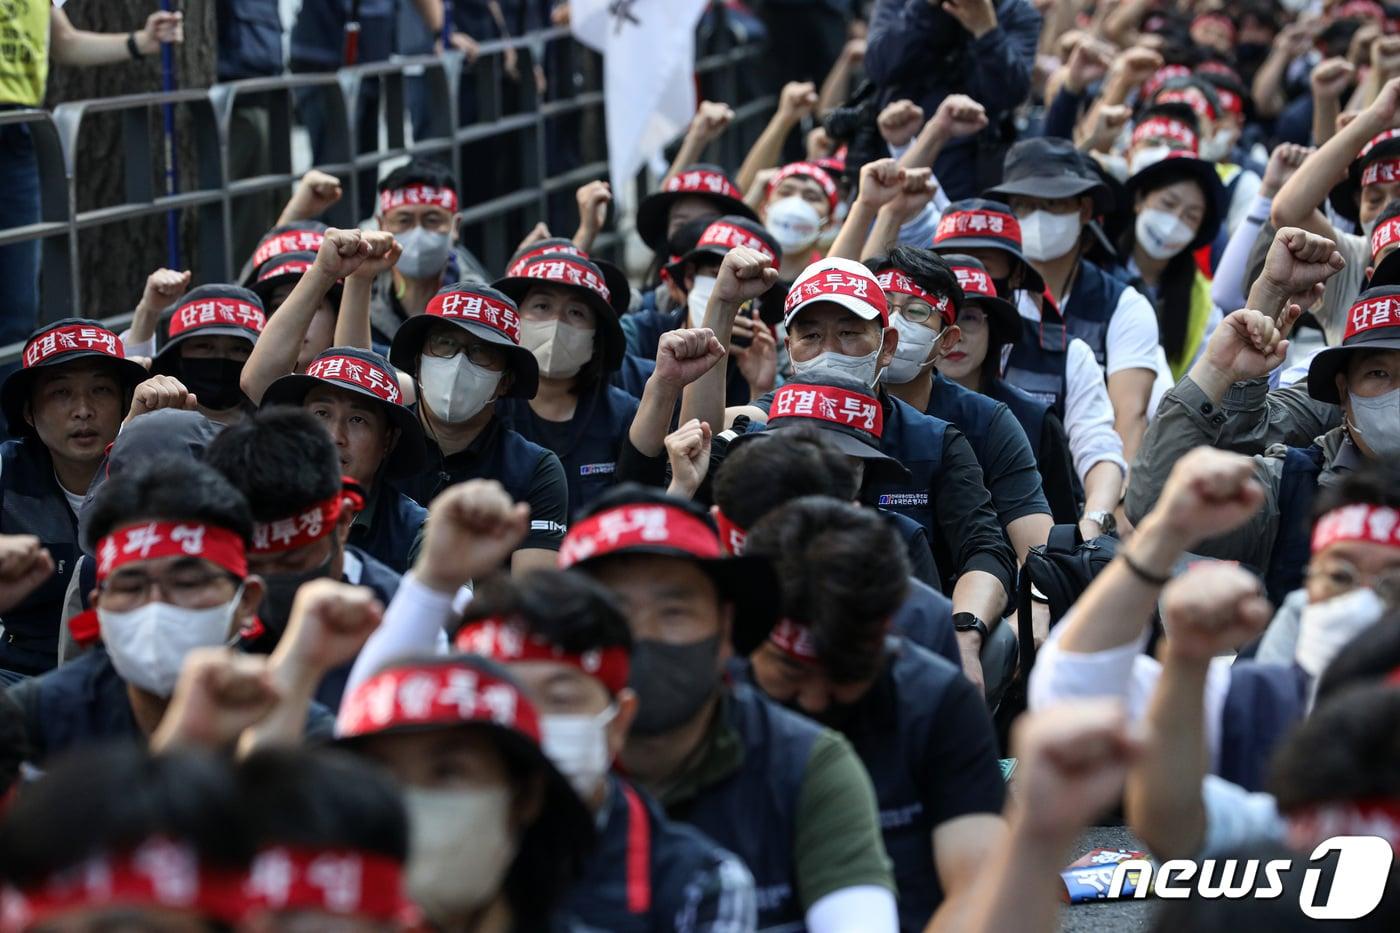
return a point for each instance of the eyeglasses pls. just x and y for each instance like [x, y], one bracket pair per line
[186, 587]
[401, 221]
[1337, 577]
[448, 345]
[917, 312]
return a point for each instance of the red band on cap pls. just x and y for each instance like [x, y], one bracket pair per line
[893, 280]
[1377, 816]
[1370, 314]
[975, 281]
[152, 540]
[978, 223]
[290, 241]
[1197, 102]
[828, 403]
[217, 312]
[1373, 524]
[643, 525]
[310, 525]
[567, 272]
[504, 641]
[72, 338]
[417, 196]
[731, 536]
[1384, 235]
[1165, 128]
[345, 882]
[702, 181]
[794, 640]
[1162, 76]
[727, 236]
[296, 267]
[1231, 101]
[352, 371]
[807, 170]
[836, 282]
[435, 695]
[1381, 172]
[524, 259]
[466, 306]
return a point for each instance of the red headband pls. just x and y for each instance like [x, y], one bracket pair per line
[1377, 816]
[731, 536]
[290, 241]
[347, 883]
[637, 526]
[1162, 76]
[217, 312]
[964, 223]
[703, 181]
[1197, 102]
[566, 272]
[153, 540]
[352, 371]
[311, 524]
[975, 282]
[524, 259]
[727, 236]
[794, 640]
[1381, 172]
[1384, 235]
[1376, 140]
[467, 306]
[893, 280]
[1370, 314]
[504, 641]
[837, 282]
[828, 403]
[807, 170]
[435, 695]
[1165, 128]
[295, 267]
[418, 196]
[1230, 100]
[72, 338]
[1376, 524]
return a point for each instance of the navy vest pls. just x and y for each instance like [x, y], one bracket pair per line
[1263, 704]
[596, 431]
[915, 440]
[753, 812]
[926, 619]
[1091, 305]
[1038, 362]
[971, 412]
[1058, 478]
[393, 527]
[1288, 560]
[498, 453]
[644, 330]
[33, 504]
[1029, 411]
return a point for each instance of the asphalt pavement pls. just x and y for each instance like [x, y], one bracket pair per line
[1120, 916]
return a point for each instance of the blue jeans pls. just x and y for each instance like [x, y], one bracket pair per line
[19, 262]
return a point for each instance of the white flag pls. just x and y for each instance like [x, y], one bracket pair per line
[648, 51]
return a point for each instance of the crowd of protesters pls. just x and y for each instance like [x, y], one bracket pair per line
[1023, 457]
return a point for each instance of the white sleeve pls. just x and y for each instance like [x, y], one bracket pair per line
[415, 623]
[1236, 817]
[864, 908]
[1089, 413]
[1132, 338]
[1161, 385]
[132, 348]
[1123, 672]
[1227, 288]
[1242, 202]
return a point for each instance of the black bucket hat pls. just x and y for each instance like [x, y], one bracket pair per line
[65, 341]
[1377, 163]
[287, 269]
[366, 373]
[480, 311]
[580, 275]
[635, 519]
[208, 311]
[1046, 167]
[1177, 166]
[299, 236]
[977, 223]
[723, 234]
[619, 289]
[1003, 320]
[703, 181]
[1373, 323]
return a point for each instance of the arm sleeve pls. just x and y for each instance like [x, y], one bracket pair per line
[965, 516]
[1341, 289]
[961, 774]
[999, 75]
[838, 843]
[414, 624]
[1242, 204]
[1235, 816]
[549, 505]
[1089, 413]
[1062, 114]
[1012, 476]
[1132, 337]
[133, 348]
[635, 466]
[1227, 289]
[1256, 418]
[860, 909]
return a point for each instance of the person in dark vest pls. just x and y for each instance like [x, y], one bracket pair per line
[564, 637]
[64, 406]
[355, 393]
[921, 729]
[787, 796]
[570, 326]
[925, 298]
[204, 340]
[464, 353]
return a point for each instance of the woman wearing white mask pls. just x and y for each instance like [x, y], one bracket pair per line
[464, 353]
[570, 326]
[496, 834]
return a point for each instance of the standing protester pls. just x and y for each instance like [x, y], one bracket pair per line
[204, 340]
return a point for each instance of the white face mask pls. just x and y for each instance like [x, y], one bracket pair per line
[1162, 235]
[699, 298]
[1046, 236]
[1147, 155]
[1325, 627]
[915, 343]
[455, 388]
[148, 645]
[578, 746]
[560, 349]
[794, 224]
[1216, 147]
[424, 253]
[460, 848]
[1376, 421]
[862, 369]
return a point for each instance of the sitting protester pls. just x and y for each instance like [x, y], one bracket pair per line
[204, 341]
[693, 192]
[297, 236]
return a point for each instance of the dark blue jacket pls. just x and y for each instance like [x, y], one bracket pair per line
[391, 528]
[250, 39]
[318, 36]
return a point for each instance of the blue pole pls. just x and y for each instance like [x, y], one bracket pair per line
[172, 182]
[446, 25]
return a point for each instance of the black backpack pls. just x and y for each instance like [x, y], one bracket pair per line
[1059, 571]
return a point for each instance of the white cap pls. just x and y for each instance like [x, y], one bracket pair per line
[842, 281]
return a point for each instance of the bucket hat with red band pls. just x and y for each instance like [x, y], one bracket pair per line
[1373, 323]
[1386, 234]
[701, 181]
[209, 311]
[619, 289]
[1047, 167]
[632, 519]
[365, 373]
[1177, 166]
[287, 269]
[64, 341]
[1003, 320]
[977, 223]
[723, 234]
[807, 170]
[1378, 163]
[480, 311]
[579, 275]
[300, 236]
[845, 282]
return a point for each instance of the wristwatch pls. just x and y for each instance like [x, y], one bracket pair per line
[1105, 520]
[967, 622]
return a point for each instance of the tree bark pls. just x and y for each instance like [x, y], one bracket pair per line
[116, 258]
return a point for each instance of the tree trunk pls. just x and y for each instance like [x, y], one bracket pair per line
[116, 258]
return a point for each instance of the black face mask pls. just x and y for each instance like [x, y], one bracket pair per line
[672, 682]
[213, 380]
[281, 589]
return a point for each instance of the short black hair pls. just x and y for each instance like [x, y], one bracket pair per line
[420, 172]
[1348, 749]
[928, 269]
[281, 458]
[775, 467]
[569, 610]
[170, 490]
[111, 798]
[822, 550]
[322, 799]
[1375, 482]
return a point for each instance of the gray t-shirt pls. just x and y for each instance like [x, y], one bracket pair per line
[1343, 287]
